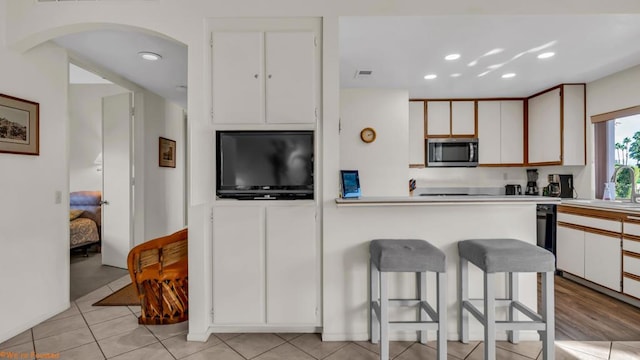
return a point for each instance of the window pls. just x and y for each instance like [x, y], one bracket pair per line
[617, 144]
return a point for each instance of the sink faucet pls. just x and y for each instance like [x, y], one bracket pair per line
[632, 177]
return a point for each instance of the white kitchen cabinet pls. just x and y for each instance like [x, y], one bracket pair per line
[570, 250]
[556, 126]
[500, 132]
[438, 118]
[292, 265]
[544, 128]
[264, 77]
[602, 258]
[463, 118]
[416, 133]
[266, 269]
[238, 265]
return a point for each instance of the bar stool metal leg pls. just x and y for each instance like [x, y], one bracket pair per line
[421, 279]
[548, 316]
[513, 283]
[442, 315]
[489, 316]
[374, 325]
[384, 317]
[463, 316]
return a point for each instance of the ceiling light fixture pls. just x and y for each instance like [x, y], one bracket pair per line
[494, 51]
[456, 75]
[452, 57]
[430, 76]
[147, 55]
[483, 74]
[508, 75]
[494, 66]
[473, 63]
[546, 55]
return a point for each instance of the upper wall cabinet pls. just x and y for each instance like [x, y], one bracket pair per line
[500, 132]
[264, 77]
[450, 118]
[556, 126]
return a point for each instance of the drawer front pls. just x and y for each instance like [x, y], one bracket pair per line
[631, 287]
[609, 225]
[630, 245]
[631, 265]
[632, 228]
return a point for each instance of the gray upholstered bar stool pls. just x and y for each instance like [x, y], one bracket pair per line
[417, 256]
[507, 256]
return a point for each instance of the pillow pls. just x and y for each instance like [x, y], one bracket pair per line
[74, 214]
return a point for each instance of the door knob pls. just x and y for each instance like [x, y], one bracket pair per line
[104, 202]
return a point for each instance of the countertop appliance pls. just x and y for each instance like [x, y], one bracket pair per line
[511, 189]
[452, 152]
[532, 182]
[566, 186]
[553, 189]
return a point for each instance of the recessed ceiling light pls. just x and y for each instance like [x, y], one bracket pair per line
[483, 74]
[508, 75]
[494, 51]
[456, 75]
[149, 56]
[494, 66]
[546, 55]
[473, 63]
[452, 57]
[430, 76]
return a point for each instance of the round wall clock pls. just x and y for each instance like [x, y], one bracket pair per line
[368, 135]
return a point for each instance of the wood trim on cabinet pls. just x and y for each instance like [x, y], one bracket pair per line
[502, 165]
[559, 86]
[545, 163]
[630, 237]
[594, 213]
[630, 254]
[611, 115]
[591, 230]
[426, 123]
[470, 99]
[525, 132]
[584, 121]
[631, 276]
[562, 124]
[475, 118]
[416, 166]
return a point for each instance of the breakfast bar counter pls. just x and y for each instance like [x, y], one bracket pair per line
[441, 220]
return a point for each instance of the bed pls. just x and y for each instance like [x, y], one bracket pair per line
[84, 219]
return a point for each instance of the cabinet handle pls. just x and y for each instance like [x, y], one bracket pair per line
[255, 76]
[269, 76]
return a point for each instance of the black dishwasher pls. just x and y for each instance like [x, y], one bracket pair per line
[546, 216]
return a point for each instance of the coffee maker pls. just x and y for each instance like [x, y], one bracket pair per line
[553, 189]
[532, 182]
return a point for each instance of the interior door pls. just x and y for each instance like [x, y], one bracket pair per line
[116, 179]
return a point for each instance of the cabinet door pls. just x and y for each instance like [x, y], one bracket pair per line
[416, 132]
[463, 118]
[544, 128]
[512, 132]
[573, 121]
[570, 250]
[290, 77]
[292, 265]
[602, 260]
[489, 132]
[438, 118]
[237, 71]
[238, 265]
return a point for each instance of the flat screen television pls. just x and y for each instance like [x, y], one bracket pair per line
[264, 164]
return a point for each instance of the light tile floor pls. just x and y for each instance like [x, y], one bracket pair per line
[87, 332]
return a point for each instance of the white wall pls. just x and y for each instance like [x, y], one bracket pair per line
[383, 164]
[34, 231]
[163, 187]
[85, 133]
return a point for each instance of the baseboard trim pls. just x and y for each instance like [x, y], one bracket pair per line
[28, 325]
[614, 294]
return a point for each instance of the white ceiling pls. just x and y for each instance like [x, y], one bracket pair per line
[117, 51]
[402, 50]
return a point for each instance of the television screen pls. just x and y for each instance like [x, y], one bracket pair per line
[265, 163]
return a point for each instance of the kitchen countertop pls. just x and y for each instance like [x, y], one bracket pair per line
[447, 200]
[613, 205]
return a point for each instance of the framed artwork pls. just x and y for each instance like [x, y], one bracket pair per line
[19, 126]
[167, 153]
[350, 184]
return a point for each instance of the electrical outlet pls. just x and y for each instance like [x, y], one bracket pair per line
[58, 197]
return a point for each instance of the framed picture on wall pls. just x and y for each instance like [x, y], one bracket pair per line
[167, 153]
[19, 126]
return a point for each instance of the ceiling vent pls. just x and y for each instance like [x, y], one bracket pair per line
[363, 74]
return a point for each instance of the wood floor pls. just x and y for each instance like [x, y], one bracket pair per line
[586, 315]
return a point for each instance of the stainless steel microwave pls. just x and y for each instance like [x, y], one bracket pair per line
[452, 152]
